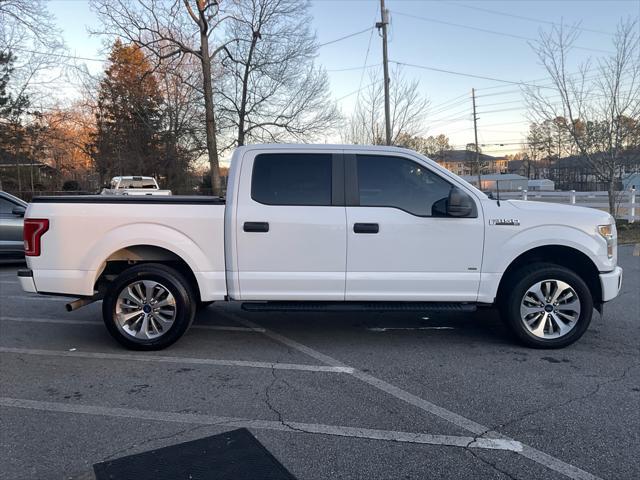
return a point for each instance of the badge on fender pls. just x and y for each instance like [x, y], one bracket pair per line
[514, 222]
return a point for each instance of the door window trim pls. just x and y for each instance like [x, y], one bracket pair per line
[352, 191]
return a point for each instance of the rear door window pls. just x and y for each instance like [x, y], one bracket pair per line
[292, 179]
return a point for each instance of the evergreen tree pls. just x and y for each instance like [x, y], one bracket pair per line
[127, 139]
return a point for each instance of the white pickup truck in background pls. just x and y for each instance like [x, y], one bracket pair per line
[134, 185]
[324, 227]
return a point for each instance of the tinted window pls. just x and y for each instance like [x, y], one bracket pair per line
[6, 207]
[137, 183]
[292, 179]
[398, 182]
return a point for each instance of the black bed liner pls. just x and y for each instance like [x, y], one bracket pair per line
[161, 199]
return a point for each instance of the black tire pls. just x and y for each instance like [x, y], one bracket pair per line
[521, 281]
[172, 280]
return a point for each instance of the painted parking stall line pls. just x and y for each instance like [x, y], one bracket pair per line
[391, 329]
[538, 456]
[294, 427]
[180, 360]
[97, 323]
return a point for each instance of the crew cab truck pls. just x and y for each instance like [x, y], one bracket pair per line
[324, 227]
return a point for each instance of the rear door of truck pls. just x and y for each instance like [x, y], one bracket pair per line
[290, 226]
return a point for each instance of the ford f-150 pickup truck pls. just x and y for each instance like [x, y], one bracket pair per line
[324, 227]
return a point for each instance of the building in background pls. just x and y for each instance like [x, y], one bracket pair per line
[540, 185]
[507, 182]
[631, 180]
[463, 162]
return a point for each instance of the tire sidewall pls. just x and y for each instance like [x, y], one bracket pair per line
[169, 278]
[536, 274]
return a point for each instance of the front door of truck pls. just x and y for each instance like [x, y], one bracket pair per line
[291, 226]
[402, 244]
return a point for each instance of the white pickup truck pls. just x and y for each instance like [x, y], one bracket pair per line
[134, 185]
[324, 227]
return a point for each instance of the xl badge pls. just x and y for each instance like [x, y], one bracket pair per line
[514, 222]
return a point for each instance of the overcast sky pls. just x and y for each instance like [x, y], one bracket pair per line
[484, 38]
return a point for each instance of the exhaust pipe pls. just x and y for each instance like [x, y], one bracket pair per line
[82, 302]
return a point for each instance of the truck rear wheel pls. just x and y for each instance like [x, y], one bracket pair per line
[148, 307]
[548, 306]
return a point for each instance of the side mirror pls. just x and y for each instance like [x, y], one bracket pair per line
[460, 204]
[18, 211]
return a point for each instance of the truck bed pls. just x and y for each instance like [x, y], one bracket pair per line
[86, 231]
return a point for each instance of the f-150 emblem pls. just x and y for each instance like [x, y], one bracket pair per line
[514, 222]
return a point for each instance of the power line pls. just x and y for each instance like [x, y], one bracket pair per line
[366, 58]
[464, 74]
[59, 55]
[355, 91]
[348, 69]
[345, 37]
[449, 107]
[503, 110]
[522, 17]
[102, 60]
[451, 100]
[485, 30]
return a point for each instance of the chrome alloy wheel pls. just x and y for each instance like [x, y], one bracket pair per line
[145, 310]
[550, 309]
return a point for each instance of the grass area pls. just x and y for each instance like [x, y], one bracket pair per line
[628, 232]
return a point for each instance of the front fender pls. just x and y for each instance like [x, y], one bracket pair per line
[512, 246]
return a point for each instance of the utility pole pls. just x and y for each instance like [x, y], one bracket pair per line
[382, 24]
[475, 132]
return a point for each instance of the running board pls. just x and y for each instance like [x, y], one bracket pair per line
[358, 307]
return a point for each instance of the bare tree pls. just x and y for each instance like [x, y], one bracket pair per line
[170, 28]
[408, 111]
[272, 88]
[29, 33]
[436, 146]
[595, 108]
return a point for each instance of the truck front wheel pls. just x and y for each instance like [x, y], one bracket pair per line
[547, 306]
[148, 307]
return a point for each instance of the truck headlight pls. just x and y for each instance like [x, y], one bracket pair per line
[608, 232]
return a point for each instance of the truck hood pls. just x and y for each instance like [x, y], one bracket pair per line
[567, 214]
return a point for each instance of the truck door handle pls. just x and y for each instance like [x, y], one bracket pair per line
[256, 227]
[366, 228]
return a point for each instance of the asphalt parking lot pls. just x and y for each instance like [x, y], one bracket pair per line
[361, 396]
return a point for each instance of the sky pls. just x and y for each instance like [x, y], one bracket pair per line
[470, 37]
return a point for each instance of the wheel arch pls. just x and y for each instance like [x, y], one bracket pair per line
[125, 257]
[561, 255]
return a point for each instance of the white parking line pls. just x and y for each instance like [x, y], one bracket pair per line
[9, 282]
[531, 453]
[49, 320]
[61, 321]
[386, 329]
[181, 360]
[314, 428]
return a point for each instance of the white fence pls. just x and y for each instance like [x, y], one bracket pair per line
[627, 205]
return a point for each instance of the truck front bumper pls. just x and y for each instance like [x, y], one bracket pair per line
[25, 277]
[611, 282]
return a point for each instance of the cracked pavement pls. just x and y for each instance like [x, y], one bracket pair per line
[580, 404]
